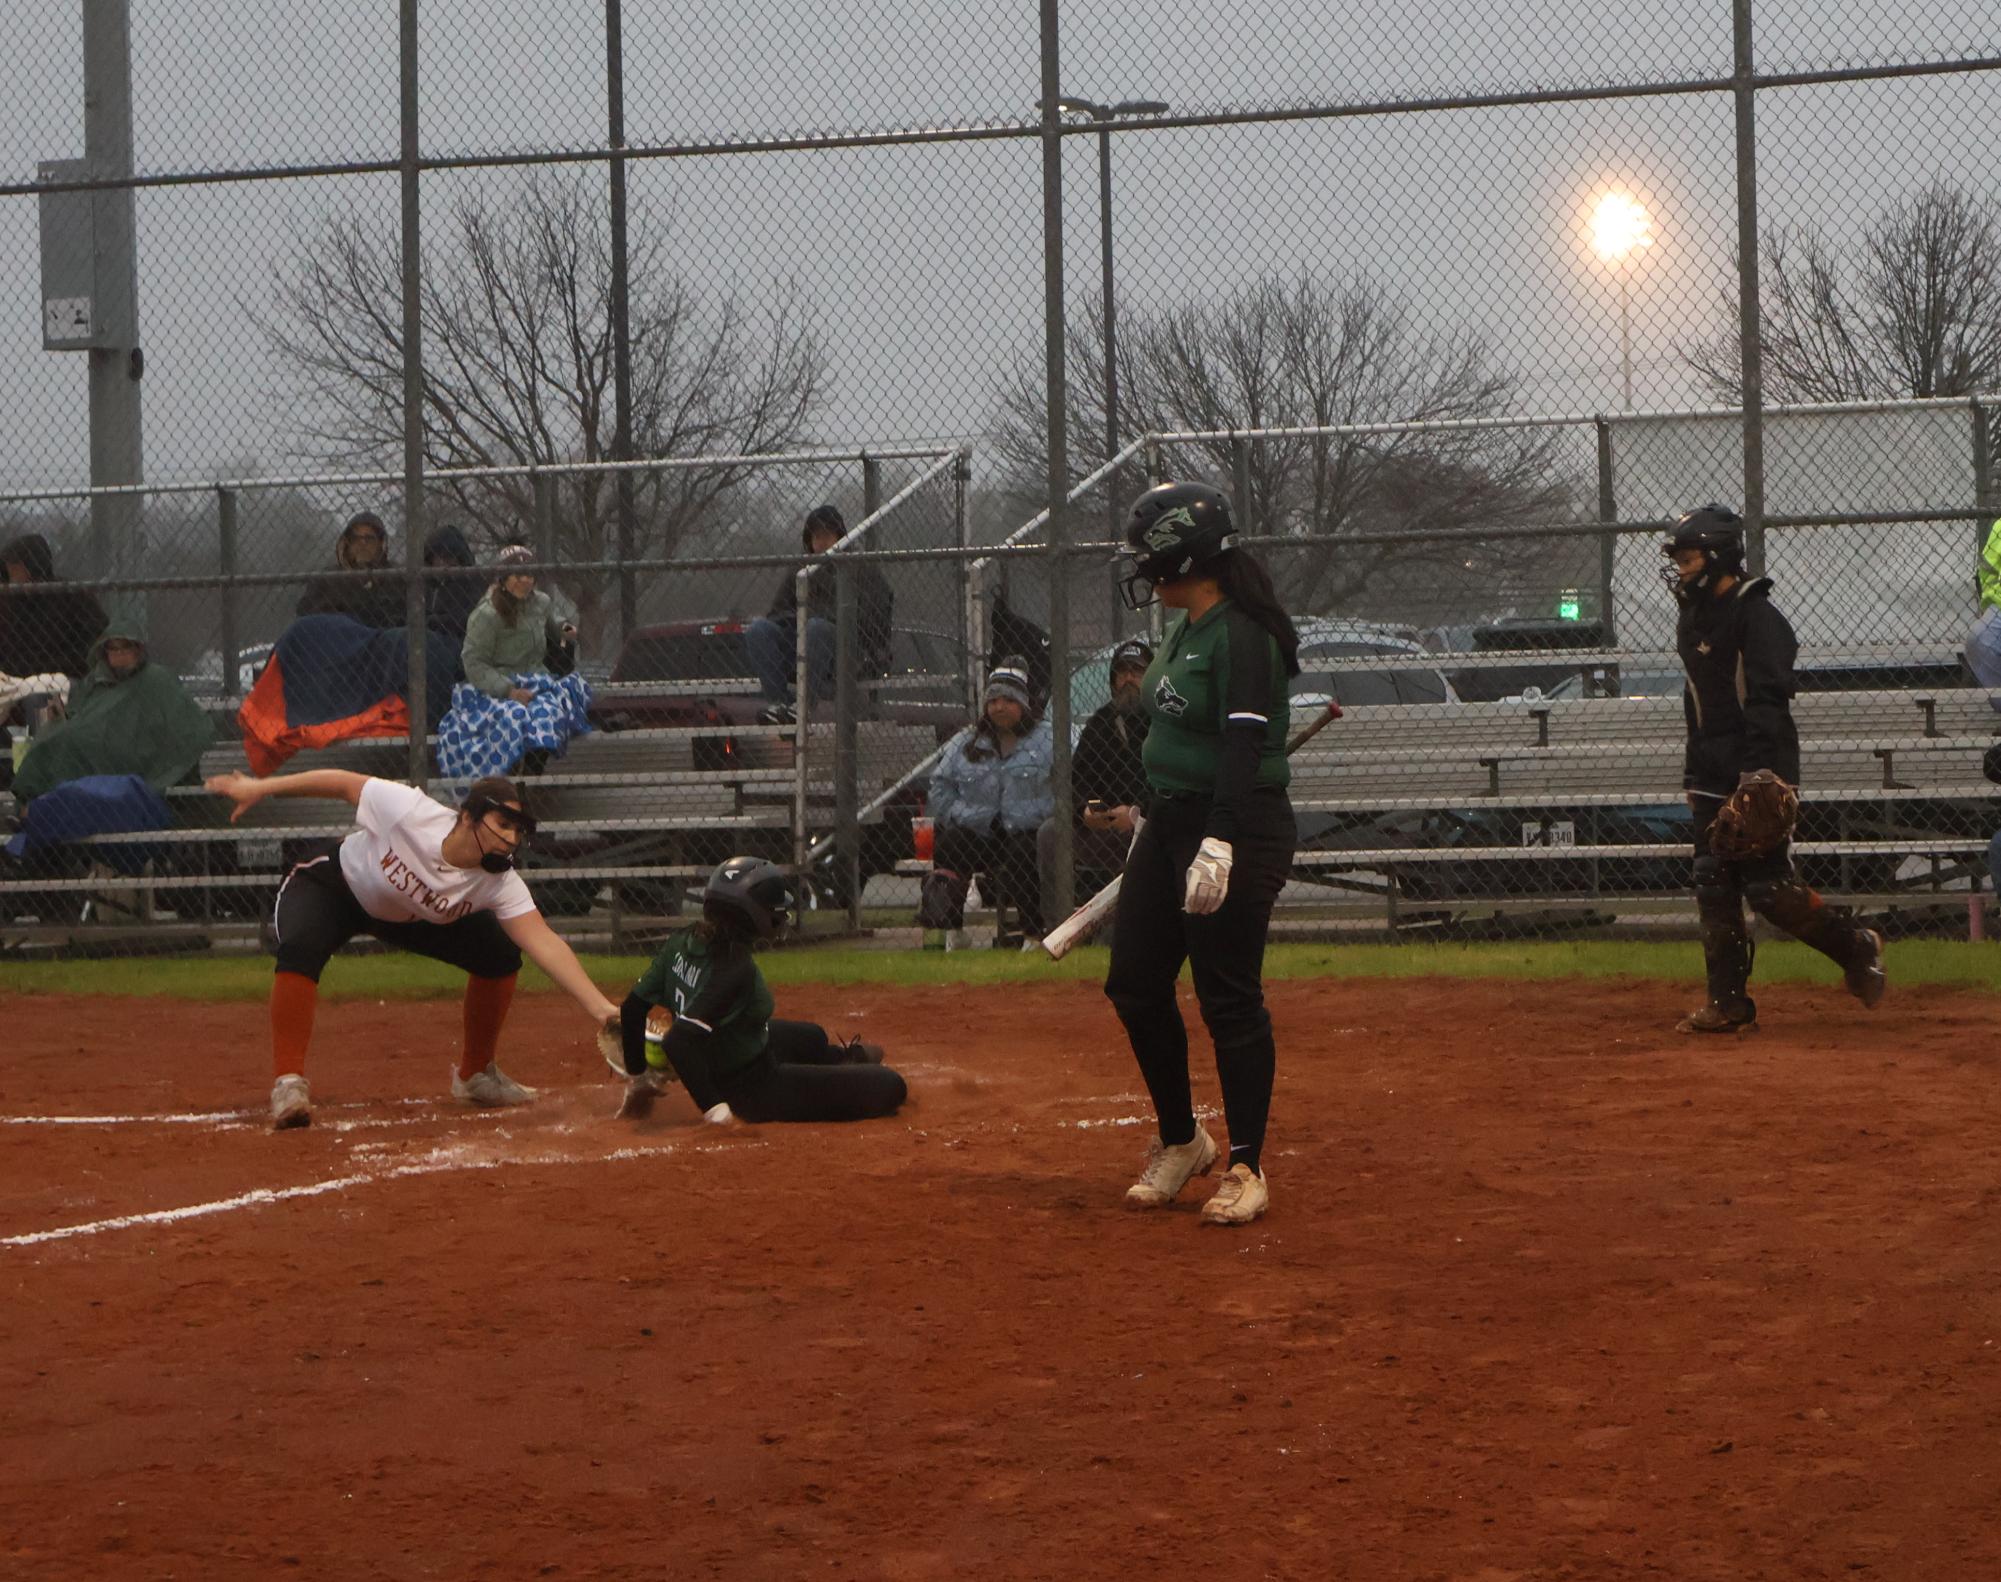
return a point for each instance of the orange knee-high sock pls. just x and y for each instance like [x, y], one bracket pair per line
[487, 1000]
[294, 998]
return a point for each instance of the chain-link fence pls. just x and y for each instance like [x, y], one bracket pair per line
[1450, 299]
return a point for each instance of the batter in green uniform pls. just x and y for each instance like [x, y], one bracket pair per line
[724, 1045]
[1216, 844]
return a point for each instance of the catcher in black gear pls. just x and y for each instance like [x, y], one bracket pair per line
[1741, 773]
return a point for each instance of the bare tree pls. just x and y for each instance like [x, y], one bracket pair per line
[518, 369]
[1307, 353]
[1913, 310]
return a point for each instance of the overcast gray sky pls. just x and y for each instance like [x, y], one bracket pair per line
[925, 263]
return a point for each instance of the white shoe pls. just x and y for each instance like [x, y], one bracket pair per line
[1240, 1197]
[291, 1103]
[490, 1089]
[1167, 1170]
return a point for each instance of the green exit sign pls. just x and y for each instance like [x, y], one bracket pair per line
[1569, 606]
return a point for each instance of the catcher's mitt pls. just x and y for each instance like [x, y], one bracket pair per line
[1757, 819]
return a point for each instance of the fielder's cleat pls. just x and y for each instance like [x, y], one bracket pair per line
[1167, 1170]
[291, 1103]
[640, 1092]
[1239, 1198]
[1866, 980]
[1714, 1018]
[857, 1053]
[490, 1089]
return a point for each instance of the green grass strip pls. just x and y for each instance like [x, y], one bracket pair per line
[398, 977]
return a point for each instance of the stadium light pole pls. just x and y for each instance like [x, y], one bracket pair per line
[1620, 228]
[1104, 115]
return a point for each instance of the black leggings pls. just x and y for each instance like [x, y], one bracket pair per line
[798, 1076]
[1152, 936]
[316, 913]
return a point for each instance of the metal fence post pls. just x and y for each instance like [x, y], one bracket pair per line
[1608, 512]
[621, 318]
[1240, 480]
[543, 519]
[1984, 493]
[226, 563]
[1057, 397]
[413, 409]
[847, 700]
[963, 569]
[1750, 316]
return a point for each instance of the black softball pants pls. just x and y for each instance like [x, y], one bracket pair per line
[800, 1075]
[1775, 893]
[316, 913]
[1152, 936]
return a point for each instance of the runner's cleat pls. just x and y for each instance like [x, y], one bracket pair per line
[1240, 1197]
[1167, 1170]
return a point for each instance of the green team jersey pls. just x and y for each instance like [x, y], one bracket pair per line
[1988, 578]
[1206, 674]
[720, 994]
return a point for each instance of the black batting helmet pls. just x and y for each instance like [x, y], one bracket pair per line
[1714, 529]
[1173, 528]
[750, 896]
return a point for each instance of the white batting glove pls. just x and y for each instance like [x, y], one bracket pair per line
[1208, 877]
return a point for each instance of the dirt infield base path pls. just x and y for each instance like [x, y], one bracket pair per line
[1546, 1292]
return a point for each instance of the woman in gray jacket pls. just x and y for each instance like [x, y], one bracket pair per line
[513, 629]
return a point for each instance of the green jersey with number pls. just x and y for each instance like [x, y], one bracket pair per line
[717, 992]
[1207, 673]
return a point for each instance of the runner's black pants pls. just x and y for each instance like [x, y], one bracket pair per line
[799, 1075]
[1152, 936]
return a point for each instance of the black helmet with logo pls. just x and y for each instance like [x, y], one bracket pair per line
[1718, 532]
[1173, 528]
[750, 896]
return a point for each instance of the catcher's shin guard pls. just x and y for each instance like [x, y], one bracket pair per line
[1726, 939]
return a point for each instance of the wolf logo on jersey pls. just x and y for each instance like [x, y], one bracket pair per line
[1167, 700]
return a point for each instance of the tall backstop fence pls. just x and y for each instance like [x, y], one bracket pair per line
[637, 289]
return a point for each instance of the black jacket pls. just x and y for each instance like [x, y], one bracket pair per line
[874, 607]
[1107, 763]
[449, 601]
[1737, 651]
[46, 632]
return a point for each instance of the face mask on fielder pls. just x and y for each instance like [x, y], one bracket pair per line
[514, 819]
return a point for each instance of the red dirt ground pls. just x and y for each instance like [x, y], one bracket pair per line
[1546, 1292]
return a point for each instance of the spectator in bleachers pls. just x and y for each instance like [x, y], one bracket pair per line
[1107, 781]
[1983, 643]
[374, 600]
[44, 633]
[771, 640]
[450, 601]
[512, 703]
[989, 795]
[128, 716]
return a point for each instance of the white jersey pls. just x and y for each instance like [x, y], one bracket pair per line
[395, 867]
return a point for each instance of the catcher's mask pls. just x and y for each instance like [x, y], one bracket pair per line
[750, 896]
[1173, 529]
[502, 801]
[1718, 532]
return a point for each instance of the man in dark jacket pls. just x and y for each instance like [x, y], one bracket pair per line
[449, 601]
[1107, 781]
[771, 639]
[1738, 651]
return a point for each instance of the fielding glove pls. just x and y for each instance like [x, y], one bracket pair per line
[1208, 877]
